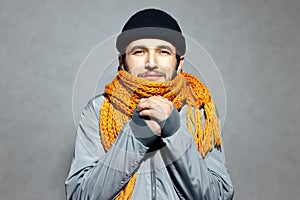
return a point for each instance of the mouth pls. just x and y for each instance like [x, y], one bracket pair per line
[152, 76]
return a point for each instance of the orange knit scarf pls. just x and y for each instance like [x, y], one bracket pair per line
[125, 92]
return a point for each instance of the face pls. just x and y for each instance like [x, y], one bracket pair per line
[152, 59]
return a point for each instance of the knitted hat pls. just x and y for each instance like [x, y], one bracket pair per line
[151, 24]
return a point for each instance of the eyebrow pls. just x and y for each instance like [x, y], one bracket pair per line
[145, 47]
[137, 47]
[165, 47]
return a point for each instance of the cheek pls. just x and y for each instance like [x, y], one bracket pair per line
[132, 64]
[135, 61]
[169, 64]
[135, 66]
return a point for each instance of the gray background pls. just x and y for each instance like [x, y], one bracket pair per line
[255, 44]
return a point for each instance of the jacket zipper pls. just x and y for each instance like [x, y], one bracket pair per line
[153, 179]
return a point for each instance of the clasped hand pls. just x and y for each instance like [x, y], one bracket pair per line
[155, 109]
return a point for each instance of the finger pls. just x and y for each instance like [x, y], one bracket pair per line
[156, 108]
[156, 113]
[160, 105]
[161, 99]
[142, 99]
[149, 103]
[160, 102]
[145, 113]
[144, 104]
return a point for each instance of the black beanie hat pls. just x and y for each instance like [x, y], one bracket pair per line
[151, 24]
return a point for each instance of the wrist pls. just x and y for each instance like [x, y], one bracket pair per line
[170, 125]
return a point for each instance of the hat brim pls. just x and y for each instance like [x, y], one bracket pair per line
[174, 37]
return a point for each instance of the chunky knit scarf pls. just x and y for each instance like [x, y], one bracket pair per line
[125, 92]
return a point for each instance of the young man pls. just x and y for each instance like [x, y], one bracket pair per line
[154, 133]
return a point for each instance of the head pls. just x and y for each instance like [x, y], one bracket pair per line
[151, 46]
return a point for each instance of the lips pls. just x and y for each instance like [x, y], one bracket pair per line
[151, 76]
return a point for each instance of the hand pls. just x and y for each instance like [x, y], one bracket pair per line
[155, 109]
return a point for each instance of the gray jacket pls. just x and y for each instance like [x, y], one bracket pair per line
[168, 167]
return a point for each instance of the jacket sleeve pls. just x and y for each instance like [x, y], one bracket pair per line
[194, 177]
[94, 173]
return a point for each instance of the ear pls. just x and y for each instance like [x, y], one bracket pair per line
[180, 65]
[120, 67]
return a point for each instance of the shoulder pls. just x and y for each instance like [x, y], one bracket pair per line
[94, 104]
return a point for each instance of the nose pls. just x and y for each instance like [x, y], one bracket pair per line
[151, 63]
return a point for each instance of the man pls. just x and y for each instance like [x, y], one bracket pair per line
[154, 133]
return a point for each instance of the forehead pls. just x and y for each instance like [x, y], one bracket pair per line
[150, 43]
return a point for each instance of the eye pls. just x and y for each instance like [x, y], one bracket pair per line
[138, 52]
[165, 52]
